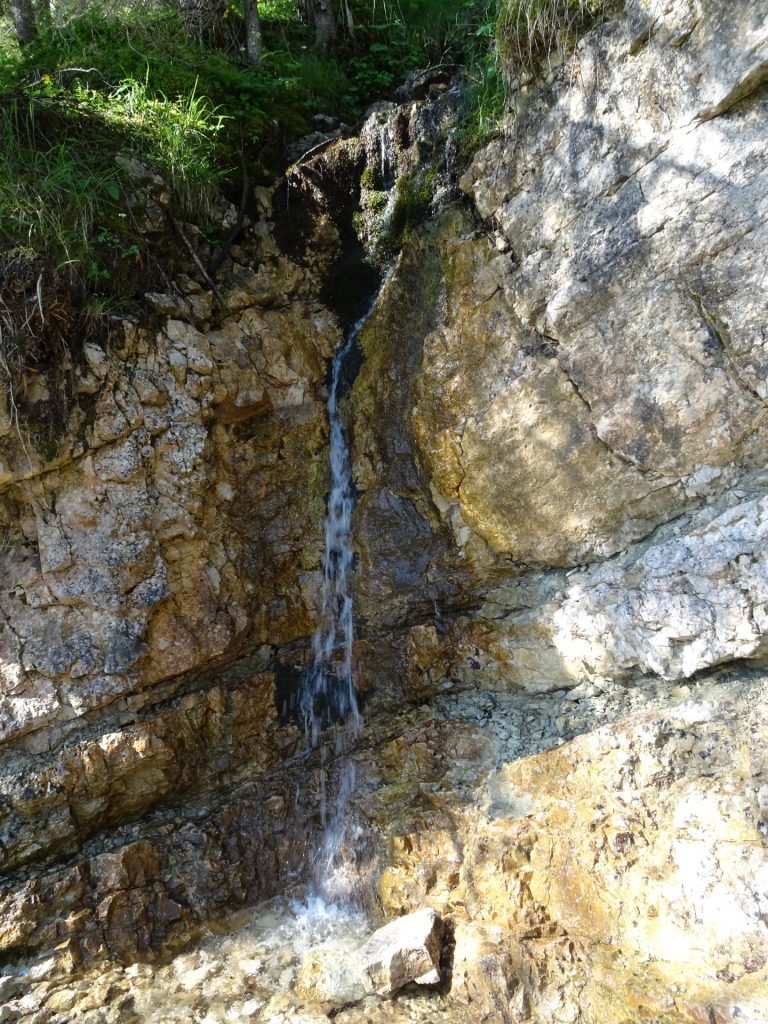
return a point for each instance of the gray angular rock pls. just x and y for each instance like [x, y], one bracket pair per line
[406, 949]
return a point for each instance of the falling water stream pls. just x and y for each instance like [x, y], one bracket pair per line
[328, 700]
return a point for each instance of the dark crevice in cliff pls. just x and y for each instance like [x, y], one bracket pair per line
[328, 188]
[753, 86]
[718, 333]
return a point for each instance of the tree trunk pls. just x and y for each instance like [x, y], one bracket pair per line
[253, 46]
[23, 14]
[318, 14]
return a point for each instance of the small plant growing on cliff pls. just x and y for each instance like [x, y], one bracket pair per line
[527, 31]
[368, 178]
[412, 204]
[376, 202]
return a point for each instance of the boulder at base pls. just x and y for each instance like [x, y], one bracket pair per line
[406, 949]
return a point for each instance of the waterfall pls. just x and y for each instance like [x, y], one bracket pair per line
[328, 699]
[387, 145]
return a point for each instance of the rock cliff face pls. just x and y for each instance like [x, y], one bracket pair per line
[580, 450]
[560, 444]
[150, 572]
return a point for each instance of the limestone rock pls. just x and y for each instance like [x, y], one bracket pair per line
[134, 560]
[762, 803]
[559, 440]
[331, 976]
[604, 372]
[407, 949]
[177, 529]
[621, 868]
[690, 597]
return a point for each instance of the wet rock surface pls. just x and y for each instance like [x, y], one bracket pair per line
[246, 971]
[406, 950]
[593, 850]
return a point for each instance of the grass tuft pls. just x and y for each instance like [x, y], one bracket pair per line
[528, 31]
[50, 190]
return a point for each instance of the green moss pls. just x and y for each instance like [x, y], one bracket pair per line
[376, 201]
[413, 199]
[358, 224]
[368, 178]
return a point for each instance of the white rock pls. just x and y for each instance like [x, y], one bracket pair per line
[332, 976]
[762, 802]
[406, 949]
[96, 358]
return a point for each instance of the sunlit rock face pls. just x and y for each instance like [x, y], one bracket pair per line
[148, 568]
[583, 366]
[560, 441]
[634, 207]
[184, 507]
[618, 876]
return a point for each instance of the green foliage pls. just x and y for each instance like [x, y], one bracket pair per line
[425, 31]
[392, 37]
[527, 31]
[53, 188]
[178, 135]
[375, 201]
[484, 98]
[368, 178]
[132, 80]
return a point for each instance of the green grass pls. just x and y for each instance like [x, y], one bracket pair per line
[178, 135]
[50, 191]
[59, 183]
[135, 82]
[528, 31]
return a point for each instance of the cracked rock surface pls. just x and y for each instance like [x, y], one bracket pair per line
[588, 366]
[134, 556]
[620, 365]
